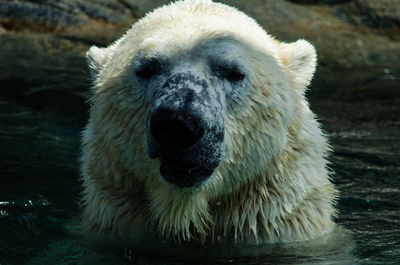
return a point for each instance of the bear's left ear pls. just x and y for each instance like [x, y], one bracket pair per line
[300, 59]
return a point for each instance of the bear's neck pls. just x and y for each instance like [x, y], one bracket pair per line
[261, 213]
[293, 200]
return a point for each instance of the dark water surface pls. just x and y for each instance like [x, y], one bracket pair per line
[43, 88]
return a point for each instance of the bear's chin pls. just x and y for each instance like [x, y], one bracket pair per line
[185, 175]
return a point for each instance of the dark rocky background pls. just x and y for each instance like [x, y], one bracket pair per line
[44, 85]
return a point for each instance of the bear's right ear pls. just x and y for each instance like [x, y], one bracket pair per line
[97, 58]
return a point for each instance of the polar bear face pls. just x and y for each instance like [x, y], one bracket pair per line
[203, 99]
[188, 93]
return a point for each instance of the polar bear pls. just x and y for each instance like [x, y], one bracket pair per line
[199, 131]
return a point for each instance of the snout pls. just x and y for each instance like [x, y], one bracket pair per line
[176, 130]
[185, 130]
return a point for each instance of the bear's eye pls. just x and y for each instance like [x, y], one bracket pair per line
[233, 75]
[148, 69]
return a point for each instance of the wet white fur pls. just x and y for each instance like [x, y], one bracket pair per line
[273, 183]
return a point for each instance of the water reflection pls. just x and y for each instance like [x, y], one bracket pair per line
[336, 248]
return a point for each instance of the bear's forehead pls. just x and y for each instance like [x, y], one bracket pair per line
[185, 25]
[215, 47]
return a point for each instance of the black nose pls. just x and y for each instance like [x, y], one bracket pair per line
[176, 130]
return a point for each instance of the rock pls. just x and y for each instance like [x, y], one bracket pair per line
[17, 15]
[47, 15]
[320, 1]
[273, 13]
[372, 13]
[141, 7]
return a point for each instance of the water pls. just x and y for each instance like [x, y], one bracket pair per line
[42, 110]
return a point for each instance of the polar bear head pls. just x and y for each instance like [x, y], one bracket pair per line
[195, 101]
